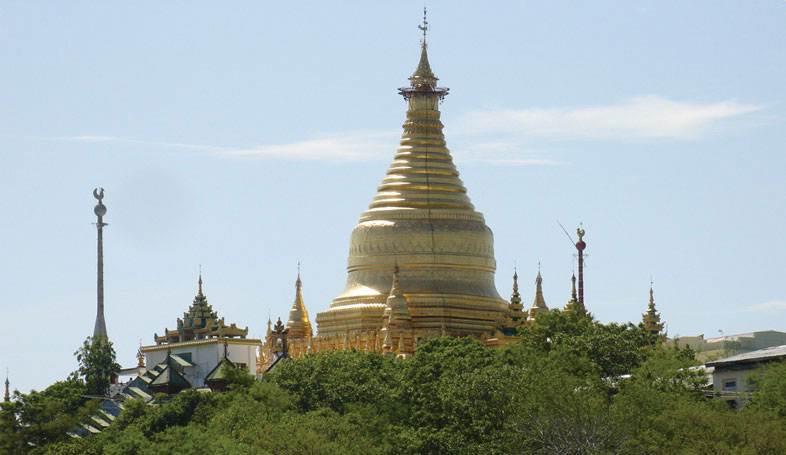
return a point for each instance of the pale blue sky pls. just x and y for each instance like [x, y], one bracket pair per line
[248, 136]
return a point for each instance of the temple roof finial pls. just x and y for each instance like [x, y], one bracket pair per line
[7, 396]
[200, 294]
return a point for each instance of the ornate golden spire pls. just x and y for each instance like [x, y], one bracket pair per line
[516, 314]
[298, 324]
[423, 79]
[7, 396]
[539, 304]
[651, 319]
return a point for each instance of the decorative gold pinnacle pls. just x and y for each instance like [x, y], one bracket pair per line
[298, 325]
[651, 319]
[539, 303]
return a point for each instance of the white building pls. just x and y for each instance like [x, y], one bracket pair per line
[730, 374]
[198, 344]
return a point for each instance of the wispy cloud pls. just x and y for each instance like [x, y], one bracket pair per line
[357, 147]
[103, 139]
[649, 116]
[776, 305]
[90, 139]
[494, 136]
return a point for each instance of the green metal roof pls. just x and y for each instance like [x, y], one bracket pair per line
[219, 372]
[170, 376]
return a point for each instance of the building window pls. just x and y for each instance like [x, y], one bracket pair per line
[730, 384]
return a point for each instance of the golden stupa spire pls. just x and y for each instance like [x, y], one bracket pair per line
[200, 297]
[298, 324]
[423, 79]
[539, 304]
[516, 297]
[7, 396]
[651, 319]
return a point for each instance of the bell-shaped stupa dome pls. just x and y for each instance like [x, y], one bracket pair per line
[422, 220]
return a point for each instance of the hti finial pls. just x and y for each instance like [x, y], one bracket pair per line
[200, 280]
[424, 27]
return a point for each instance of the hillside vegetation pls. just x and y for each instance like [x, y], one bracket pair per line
[559, 391]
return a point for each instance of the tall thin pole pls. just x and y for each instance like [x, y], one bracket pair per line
[580, 246]
[100, 211]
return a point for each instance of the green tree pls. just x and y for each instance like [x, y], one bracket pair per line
[769, 389]
[45, 417]
[336, 380]
[97, 364]
[586, 346]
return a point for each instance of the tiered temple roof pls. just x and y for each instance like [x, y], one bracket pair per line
[200, 322]
[516, 316]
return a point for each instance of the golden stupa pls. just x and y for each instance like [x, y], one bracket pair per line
[421, 221]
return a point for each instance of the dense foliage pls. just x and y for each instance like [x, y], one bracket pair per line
[560, 390]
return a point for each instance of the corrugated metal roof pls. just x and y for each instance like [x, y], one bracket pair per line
[771, 353]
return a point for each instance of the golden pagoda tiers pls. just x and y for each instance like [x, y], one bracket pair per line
[421, 221]
[574, 304]
[539, 304]
[651, 322]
